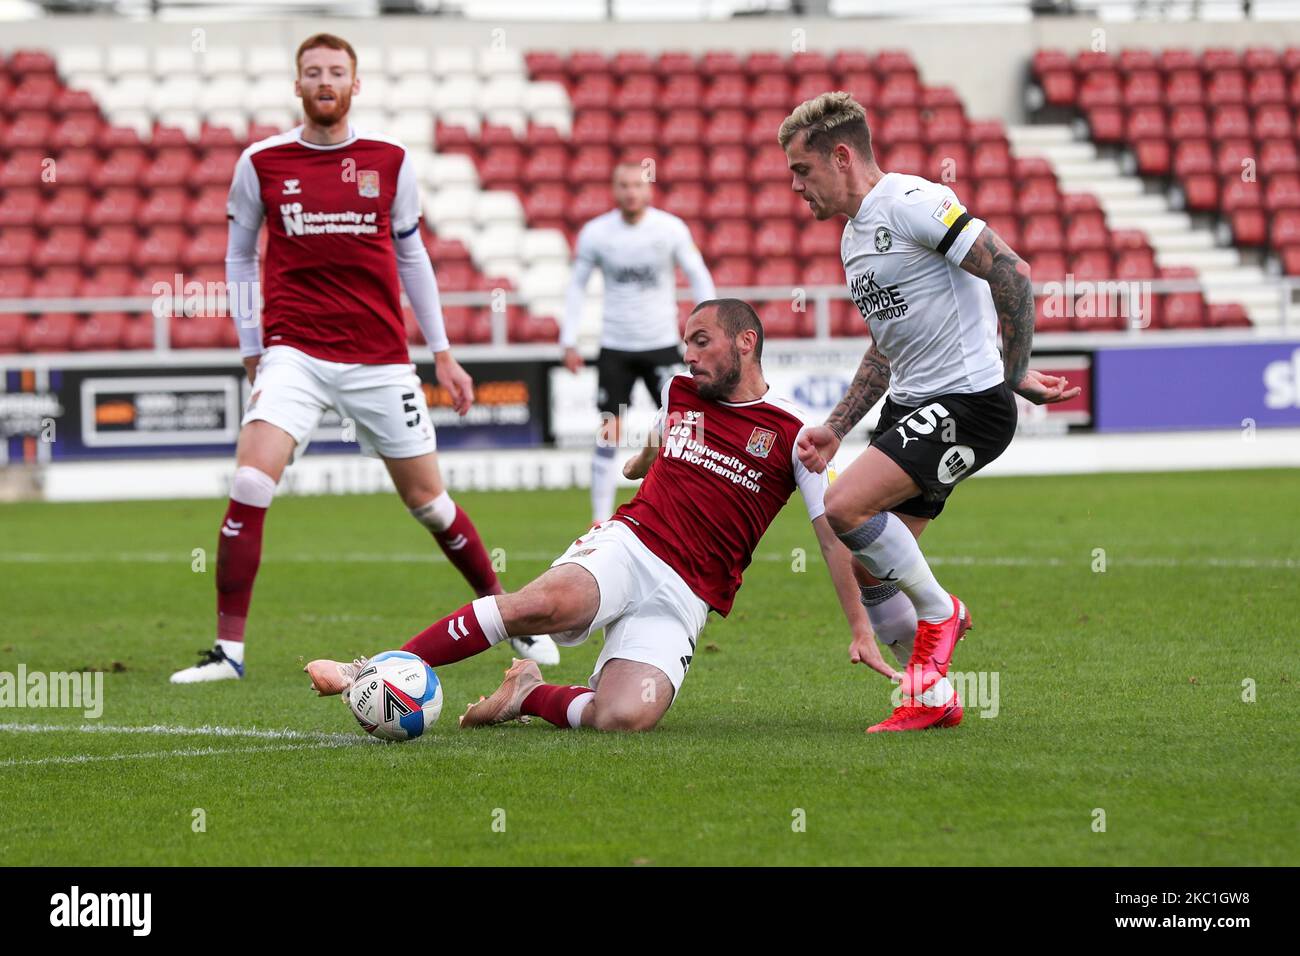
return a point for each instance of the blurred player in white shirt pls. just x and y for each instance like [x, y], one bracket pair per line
[637, 248]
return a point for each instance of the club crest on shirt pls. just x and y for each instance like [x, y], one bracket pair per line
[368, 183]
[760, 442]
[883, 240]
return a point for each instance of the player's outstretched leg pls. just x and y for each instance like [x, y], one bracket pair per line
[919, 716]
[419, 482]
[565, 598]
[629, 696]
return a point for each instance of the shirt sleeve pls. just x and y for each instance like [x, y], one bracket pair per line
[812, 486]
[688, 257]
[933, 217]
[242, 273]
[244, 204]
[404, 217]
[416, 272]
[585, 259]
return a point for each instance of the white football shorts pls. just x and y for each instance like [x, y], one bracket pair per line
[384, 404]
[648, 613]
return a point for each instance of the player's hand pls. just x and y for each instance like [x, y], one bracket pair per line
[250, 366]
[865, 650]
[817, 446]
[573, 361]
[638, 466]
[457, 382]
[1045, 389]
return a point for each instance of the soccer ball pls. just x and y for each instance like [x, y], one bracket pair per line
[397, 696]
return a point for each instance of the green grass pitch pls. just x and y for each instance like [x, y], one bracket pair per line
[1125, 692]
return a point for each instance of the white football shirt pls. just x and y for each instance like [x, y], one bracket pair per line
[638, 264]
[934, 321]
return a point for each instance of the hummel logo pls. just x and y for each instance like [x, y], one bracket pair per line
[231, 528]
[451, 628]
[458, 542]
[291, 187]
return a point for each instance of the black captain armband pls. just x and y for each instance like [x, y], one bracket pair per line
[953, 232]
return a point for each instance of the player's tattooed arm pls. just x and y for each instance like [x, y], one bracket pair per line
[868, 385]
[1013, 296]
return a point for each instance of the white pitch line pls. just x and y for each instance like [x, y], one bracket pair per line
[1029, 561]
[173, 730]
[152, 754]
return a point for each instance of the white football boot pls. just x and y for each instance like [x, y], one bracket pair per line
[539, 648]
[213, 665]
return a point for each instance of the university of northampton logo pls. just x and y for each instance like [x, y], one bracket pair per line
[760, 442]
[884, 241]
[368, 183]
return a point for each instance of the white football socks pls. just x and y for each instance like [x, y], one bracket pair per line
[232, 649]
[604, 476]
[893, 618]
[890, 552]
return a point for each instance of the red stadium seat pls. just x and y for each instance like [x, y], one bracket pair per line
[593, 93]
[160, 246]
[683, 127]
[901, 126]
[1188, 122]
[769, 166]
[729, 238]
[17, 245]
[198, 331]
[1100, 89]
[1183, 88]
[782, 321]
[166, 205]
[1249, 227]
[637, 93]
[683, 164]
[1238, 194]
[1092, 266]
[1278, 156]
[591, 201]
[733, 271]
[109, 281]
[1142, 88]
[1201, 192]
[63, 246]
[51, 332]
[683, 91]
[728, 201]
[1271, 122]
[1192, 157]
[123, 167]
[502, 167]
[139, 332]
[992, 159]
[771, 91]
[726, 92]
[1227, 315]
[728, 163]
[1037, 196]
[1146, 122]
[216, 168]
[1225, 87]
[1282, 192]
[728, 128]
[1086, 231]
[209, 209]
[114, 245]
[1059, 87]
[207, 247]
[1153, 157]
[592, 165]
[1234, 157]
[99, 331]
[778, 270]
[774, 201]
[173, 166]
[775, 238]
[819, 239]
[58, 282]
[685, 200]
[20, 207]
[12, 327]
[545, 201]
[547, 164]
[1230, 122]
[1041, 234]
[15, 283]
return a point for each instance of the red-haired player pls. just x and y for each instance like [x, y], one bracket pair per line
[342, 212]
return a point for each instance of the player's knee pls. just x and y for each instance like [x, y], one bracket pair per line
[843, 514]
[434, 512]
[626, 718]
[253, 487]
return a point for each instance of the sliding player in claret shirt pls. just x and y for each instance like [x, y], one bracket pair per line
[636, 247]
[935, 286]
[720, 466]
[342, 210]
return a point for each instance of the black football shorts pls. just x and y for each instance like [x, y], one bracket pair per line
[617, 372]
[945, 440]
